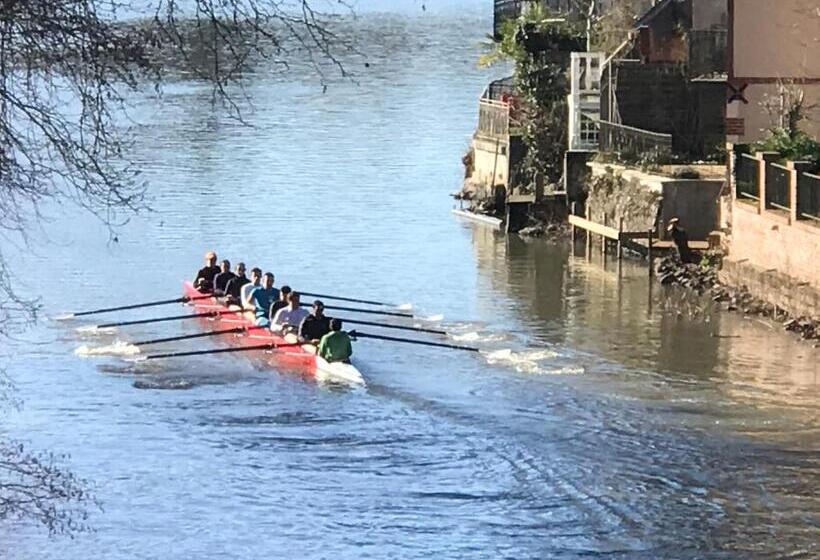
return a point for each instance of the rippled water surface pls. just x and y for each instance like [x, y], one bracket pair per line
[601, 421]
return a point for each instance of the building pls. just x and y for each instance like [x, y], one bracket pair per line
[771, 213]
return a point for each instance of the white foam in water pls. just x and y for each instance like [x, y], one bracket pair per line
[528, 362]
[64, 317]
[93, 329]
[118, 348]
[405, 307]
[478, 337]
[434, 318]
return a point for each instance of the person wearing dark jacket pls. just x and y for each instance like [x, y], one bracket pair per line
[221, 280]
[204, 281]
[315, 325]
[234, 286]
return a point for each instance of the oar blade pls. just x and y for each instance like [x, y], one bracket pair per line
[63, 317]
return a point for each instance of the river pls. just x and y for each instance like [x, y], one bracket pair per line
[602, 421]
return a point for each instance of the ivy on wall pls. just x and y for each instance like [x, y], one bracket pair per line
[538, 44]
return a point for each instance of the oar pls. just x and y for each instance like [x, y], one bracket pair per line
[387, 326]
[360, 310]
[163, 319]
[353, 300]
[197, 335]
[183, 299]
[268, 346]
[354, 334]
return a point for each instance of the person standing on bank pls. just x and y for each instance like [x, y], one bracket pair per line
[204, 281]
[681, 240]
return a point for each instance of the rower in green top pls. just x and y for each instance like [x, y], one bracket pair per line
[335, 346]
[262, 297]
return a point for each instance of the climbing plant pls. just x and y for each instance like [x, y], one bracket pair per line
[538, 44]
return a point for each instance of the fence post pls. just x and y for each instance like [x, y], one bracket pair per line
[603, 240]
[620, 238]
[588, 234]
[792, 192]
[761, 182]
[649, 254]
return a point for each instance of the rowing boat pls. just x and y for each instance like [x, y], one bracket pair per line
[299, 356]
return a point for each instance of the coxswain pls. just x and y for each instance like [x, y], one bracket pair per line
[245, 291]
[681, 240]
[262, 297]
[221, 280]
[316, 325]
[204, 281]
[335, 346]
[234, 286]
[284, 292]
[289, 318]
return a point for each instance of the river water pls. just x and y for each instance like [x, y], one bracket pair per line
[602, 421]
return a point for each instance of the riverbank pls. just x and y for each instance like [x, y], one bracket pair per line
[705, 281]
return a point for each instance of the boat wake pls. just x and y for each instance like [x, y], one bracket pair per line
[538, 362]
[95, 330]
[118, 348]
[475, 336]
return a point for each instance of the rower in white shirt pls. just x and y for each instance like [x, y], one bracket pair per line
[246, 290]
[290, 317]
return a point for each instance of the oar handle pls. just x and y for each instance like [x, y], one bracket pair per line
[355, 334]
[169, 318]
[387, 326]
[352, 300]
[268, 346]
[182, 299]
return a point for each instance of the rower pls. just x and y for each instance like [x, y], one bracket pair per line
[335, 346]
[221, 280]
[284, 291]
[262, 297]
[204, 281]
[234, 286]
[247, 289]
[316, 325]
[290, 317]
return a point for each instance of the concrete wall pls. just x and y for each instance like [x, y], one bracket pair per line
[767, 241]
[486, 158]
[693, 201]
[798, 298]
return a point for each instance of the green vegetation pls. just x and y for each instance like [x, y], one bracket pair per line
[538, 44]
[793, 145]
